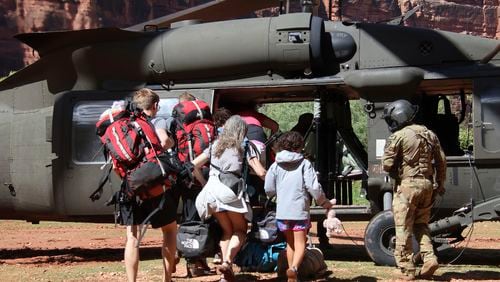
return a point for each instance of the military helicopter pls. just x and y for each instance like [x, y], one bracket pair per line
[49, 154]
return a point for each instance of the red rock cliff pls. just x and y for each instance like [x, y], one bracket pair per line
[477, 17]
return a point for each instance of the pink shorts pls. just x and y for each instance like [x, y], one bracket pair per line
[293, 225]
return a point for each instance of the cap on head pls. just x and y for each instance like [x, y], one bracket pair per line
[399, 114]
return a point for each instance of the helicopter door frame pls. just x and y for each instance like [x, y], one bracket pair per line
[486, 120]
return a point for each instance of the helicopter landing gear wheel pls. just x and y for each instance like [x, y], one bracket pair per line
[380, 239]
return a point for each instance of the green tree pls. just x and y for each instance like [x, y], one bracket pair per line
[287, 115]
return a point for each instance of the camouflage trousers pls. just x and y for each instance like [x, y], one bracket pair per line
[412, 209]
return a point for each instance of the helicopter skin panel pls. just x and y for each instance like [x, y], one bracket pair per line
[211, 11]
[46, 42]
[418, 47]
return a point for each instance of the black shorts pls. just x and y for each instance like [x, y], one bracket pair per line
[134, 212]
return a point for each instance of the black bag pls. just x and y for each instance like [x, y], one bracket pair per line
[265, 227]
[266, 230]
[231, 180]
[198, 239]
[148, 178]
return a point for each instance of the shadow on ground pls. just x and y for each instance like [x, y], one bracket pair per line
[337, 252]
[470, 275]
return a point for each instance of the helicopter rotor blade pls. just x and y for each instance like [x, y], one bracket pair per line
[211, 11]
[490, 56]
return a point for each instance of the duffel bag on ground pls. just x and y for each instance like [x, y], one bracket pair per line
[312, 267]
[198, 239]
[260, 257]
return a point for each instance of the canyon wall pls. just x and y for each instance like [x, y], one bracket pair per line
[477, 17]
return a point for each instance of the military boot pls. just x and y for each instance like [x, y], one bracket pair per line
[429, 267]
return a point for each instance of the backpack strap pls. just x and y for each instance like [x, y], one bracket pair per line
[143, 227]
[244, 166]
[198, 109]
[96, 195]
[151, 147]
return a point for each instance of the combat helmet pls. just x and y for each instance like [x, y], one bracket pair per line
[399, 114]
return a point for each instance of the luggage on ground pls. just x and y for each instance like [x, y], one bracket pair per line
[260, 257]
[198, 239]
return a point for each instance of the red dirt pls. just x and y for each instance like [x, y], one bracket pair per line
[59, 244]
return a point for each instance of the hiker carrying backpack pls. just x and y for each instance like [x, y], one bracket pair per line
[136, 152]
[194, 132]
[195, 129]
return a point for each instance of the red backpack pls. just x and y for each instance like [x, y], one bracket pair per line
[125, 141]
[195, 129]
[131, 143]
[188, 112]
[194, 138]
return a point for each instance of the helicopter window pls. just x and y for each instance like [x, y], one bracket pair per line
[87, 147]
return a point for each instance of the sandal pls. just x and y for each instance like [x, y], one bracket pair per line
[292, 274]
[227, 274]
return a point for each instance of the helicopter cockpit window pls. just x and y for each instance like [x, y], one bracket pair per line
[86, 146]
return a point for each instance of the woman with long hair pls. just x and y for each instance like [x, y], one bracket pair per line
[229, 205]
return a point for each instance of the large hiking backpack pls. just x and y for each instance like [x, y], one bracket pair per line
[195, 130]
[131, 144]
[189, 111]
[126, 139]
[194, 138]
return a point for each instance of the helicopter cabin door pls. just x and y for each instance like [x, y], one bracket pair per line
[25, 162]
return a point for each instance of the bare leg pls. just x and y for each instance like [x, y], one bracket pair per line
[131, 254]
[289, 247]
[240, 226]
[299, 238]
[227, 232]
[168, 250]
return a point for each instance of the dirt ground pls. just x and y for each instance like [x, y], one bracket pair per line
[59, 247]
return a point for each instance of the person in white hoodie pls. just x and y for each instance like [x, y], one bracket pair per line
[293, 180]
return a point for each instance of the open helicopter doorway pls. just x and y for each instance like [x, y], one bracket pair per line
[331, 143]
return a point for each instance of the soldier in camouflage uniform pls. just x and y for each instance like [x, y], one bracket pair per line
[408, 158]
